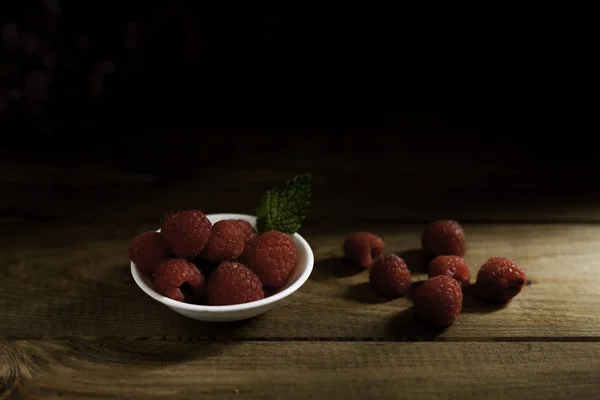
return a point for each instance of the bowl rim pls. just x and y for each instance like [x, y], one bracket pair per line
[137, 277]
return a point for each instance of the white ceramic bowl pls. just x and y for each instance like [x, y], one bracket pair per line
[236, 312]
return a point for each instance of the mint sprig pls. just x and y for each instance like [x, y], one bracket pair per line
[284, 207]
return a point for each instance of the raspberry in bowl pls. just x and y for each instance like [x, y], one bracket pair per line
[238, 276]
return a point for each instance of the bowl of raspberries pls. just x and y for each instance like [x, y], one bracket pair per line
[217, 267]
[227, 267]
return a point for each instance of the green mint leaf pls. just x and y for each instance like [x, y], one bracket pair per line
[284, 207]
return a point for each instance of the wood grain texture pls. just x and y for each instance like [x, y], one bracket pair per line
[80, 369]
[74, 281]
[75, 325]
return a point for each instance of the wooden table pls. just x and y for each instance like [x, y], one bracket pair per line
[75, 325]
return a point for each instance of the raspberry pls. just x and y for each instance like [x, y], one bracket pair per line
[444, 237]
[248, 231]
[363, 248]
[438, 301]
[186, 232]
[179, 280]
[226, 242]
[390, 276]
[233, 283]
[499, 280]
[249, 234]
[453, 266]
[272, 256]
[147, 250]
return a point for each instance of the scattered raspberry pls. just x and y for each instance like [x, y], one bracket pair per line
[438, 301]
[233, 283]
[186, 232]
[272, 256]
[248, 231]
[225, 243]
[147, 250]
[453, 266]
[179, 280]
[363, 248]
[444, 237]
[390, 276]
[499, 280]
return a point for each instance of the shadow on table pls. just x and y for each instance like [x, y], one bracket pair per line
[333, 268]
[405, 327]
[415, 259]
[111, 319]
[412, 290]
[474, 304]
[209, 339]
[362, 293]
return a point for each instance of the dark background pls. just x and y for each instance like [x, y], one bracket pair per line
[181, 64]
[178, 88]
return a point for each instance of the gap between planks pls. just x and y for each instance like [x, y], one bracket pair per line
[175, 339]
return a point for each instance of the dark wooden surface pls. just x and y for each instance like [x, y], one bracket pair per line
[75, 325]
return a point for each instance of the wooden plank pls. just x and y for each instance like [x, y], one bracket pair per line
[74, 280]
[109, 369]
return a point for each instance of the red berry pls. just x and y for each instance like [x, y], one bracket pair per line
[453, 266]
[249, 234]
[499, 280]
[444, 237]
[233, 283]
[438, 301]
[186, 233]
[147, 250]
[272, 256]
[363, 248]
[179, 280]
[390, 276]
[248, 231]
[226, 242]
